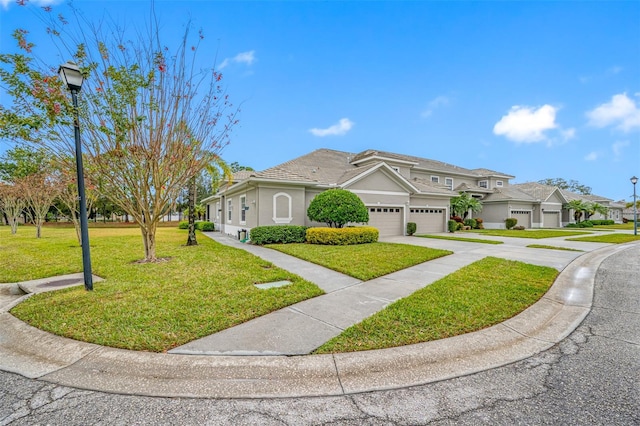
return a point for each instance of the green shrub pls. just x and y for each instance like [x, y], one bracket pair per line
[411, 228]
[183, 225]
[510, 222]
[342, 236]
[586, 224]
[205, 226]
[337, 207]
[459, 226]
[572, 225]
[452, 226]
[471, 222]
[600, 222]
[274, 234]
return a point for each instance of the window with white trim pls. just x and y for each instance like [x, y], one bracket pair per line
[229, 208]
[435, 179]
[449, 182]
[499, 183]
[243, 210]
[483, 184]
[282, 208]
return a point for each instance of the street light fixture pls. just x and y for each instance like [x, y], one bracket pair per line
[634, 180]
[72, 77]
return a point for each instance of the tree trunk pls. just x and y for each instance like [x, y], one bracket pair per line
[191, 239]
[38, 229]
[149, 240]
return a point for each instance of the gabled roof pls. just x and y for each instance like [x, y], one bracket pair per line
[491, 173]
[510, 194]
[538, 190]
[353, 177]
[465, 187]
[591, 197]
[426, 186]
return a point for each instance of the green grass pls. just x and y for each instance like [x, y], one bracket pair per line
[542, 246]
[608, 238]
[477, 296]
[535, 234]
[627, 226]
[469, 240]
[362, 261]
[150, 307]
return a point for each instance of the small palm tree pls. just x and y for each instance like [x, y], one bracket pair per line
[578, 206]
[461, 205]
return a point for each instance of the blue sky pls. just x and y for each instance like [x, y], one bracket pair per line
[533, 89]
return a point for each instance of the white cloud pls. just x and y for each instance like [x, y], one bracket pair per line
[592, 156]
[568, 133]
[618, 147]
[437, 102]
[338, 129]
[621, 112]
[525, 124]
[247, 58]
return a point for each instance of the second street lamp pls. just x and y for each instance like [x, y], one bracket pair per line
[71, 76]
[634, 180]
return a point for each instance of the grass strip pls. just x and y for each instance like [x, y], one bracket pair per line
[535, 234]
[362, 261]
[468, 240]
[542, 246]
[477, 296]
[150, 307]
[608, 238]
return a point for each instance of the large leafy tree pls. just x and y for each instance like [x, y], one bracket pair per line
[571, 185]
[12, 203]
[151, 117]
[461, 204]
[337, 207]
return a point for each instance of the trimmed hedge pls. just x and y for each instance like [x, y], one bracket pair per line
[411, 228]
[510, 222]
[200, 225]
[342, 236]
[471, 222]
[183, 225]
[452, 226]
[278, 234]
[583, 224]
[600, 222]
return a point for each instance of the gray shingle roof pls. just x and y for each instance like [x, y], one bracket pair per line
[508, 193]
[536, 190]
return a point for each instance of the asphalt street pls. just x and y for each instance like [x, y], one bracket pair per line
[592, 377]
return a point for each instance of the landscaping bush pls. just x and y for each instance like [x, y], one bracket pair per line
[572, 225]
[337, 207]
[411, 228]
[459, 226]
[519, 228]
[205, 226]
[471, 223]
[342, 236]
[457, 219]
[183, 225]
[452, 226]
[283, 234]
[510, 222]
[586, 224]
[600, 222]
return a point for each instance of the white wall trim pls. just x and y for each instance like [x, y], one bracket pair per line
[371, 191]
[281, 220]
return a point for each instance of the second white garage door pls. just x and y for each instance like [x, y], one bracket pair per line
[427, 220]
[388, 220]
[523, 216]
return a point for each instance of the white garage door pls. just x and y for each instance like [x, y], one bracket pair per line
[523, 216]
[427, 220]
[551, 219]
[388, 220]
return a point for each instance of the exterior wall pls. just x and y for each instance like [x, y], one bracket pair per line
[281, 205]
[378, 181]
[494, 214]
[457, 180]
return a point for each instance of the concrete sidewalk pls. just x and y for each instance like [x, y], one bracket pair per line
[37, 354]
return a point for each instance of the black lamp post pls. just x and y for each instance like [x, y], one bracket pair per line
[72, 78]
[634, 180]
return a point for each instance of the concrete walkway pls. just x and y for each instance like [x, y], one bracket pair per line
[37, 354]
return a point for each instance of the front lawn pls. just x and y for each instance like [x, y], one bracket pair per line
[627, 226]
[468, 240]
[608, 238]
[528, 233]
[362, 261]
[477, 296]
[152, 307]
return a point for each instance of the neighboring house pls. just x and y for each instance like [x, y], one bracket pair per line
[395, 188]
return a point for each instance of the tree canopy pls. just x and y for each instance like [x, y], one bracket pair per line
[461, 204]
[151, 117]
[572, 185]
[337, 207]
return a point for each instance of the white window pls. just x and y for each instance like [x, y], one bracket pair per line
[499, 183]
[435, 179]
[243, 209]
[229, 205]
[449, 182]
[483, 184]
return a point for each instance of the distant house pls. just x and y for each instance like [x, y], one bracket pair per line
[396, 189]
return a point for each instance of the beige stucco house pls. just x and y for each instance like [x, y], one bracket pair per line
[396, 189]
